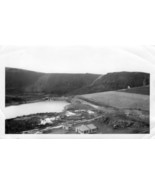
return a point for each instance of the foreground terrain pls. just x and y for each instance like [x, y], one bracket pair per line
[109, 117]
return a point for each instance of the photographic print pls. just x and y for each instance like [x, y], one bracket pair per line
[77, 90]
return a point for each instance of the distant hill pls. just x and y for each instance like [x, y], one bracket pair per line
[18, 80]
[116, 81]
[21, 81]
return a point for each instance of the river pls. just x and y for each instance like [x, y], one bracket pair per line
[34, 108]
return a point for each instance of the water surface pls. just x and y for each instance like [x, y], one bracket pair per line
[33, 108]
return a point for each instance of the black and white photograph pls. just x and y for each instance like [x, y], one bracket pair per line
[77, 90]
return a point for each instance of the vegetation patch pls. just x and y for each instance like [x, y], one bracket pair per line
[120, 100]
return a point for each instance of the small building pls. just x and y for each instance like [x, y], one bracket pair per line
[93, 128]
[67, 126]
[83, 129]
[86, 129]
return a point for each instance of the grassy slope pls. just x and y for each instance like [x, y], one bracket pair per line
[115, 81]
[119, 100]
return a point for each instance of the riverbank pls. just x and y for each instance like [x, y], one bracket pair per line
[16, 99]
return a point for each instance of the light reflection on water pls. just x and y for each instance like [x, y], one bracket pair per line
[33, 108]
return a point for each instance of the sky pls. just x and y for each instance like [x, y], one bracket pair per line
[79, 59]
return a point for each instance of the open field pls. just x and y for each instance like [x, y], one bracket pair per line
[111, 112]
[120, 100]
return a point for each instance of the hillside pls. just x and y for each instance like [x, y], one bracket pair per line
[23, 81]
[116, 81]
[17, 80]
